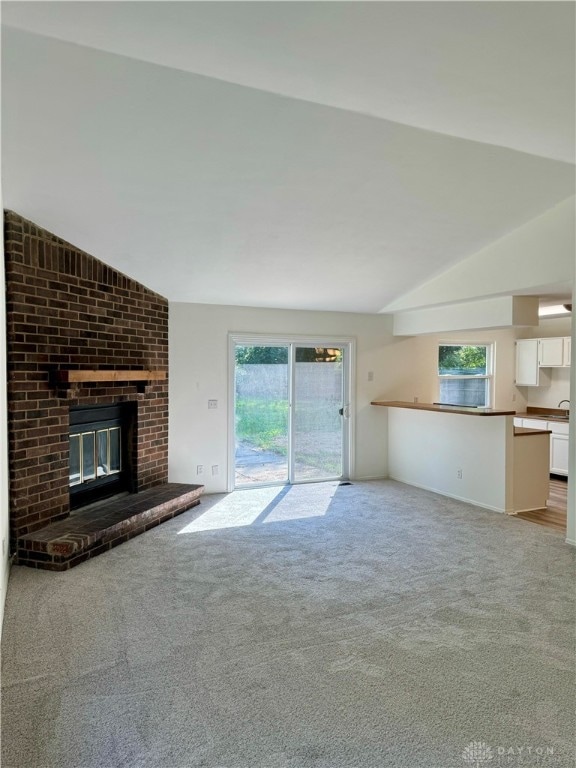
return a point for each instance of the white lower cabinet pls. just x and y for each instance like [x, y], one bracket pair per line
[558, 442]
[558, 454]
[535, 424]
[558, 448]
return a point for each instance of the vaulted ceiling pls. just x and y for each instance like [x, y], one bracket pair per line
[310, 155]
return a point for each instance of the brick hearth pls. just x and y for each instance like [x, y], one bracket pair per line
[96, 529]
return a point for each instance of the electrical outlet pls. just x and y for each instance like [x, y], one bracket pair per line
[415, 399]
[370, 375]
[200, 469]
[212, 404]
[214, 469]
[459, 474]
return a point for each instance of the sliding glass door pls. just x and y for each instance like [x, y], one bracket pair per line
[261, 414]
[290, 407]
[318, 413]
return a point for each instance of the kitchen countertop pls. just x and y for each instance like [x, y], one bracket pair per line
[545, 414]
[522, 431]
[442, 408]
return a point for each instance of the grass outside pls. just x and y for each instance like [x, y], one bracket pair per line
[264, 424]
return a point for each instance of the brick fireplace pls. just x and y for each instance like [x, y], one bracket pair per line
[79, 334]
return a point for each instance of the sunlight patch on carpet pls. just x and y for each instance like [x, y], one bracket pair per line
[263, 505]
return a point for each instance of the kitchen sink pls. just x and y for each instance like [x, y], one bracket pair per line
[553, 416]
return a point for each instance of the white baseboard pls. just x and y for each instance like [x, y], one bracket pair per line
[4, 592]
[370, 477]
[451, 496]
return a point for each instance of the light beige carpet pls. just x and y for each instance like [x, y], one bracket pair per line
[315, 626]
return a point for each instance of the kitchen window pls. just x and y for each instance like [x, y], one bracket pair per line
[465, 374]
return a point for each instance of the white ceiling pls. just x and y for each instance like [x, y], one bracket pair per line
[302, 155]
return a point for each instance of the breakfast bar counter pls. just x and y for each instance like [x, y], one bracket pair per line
[442, 408]
[485, 461]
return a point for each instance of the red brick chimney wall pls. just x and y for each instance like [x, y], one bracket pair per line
[68, 311]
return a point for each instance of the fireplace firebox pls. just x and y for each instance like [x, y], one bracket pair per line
[100, 452]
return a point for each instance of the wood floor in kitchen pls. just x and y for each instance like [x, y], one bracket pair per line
[554, 516]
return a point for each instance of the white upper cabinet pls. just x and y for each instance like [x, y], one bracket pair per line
[534, 356]
[551, 352]
[528, 372]
[527, 363]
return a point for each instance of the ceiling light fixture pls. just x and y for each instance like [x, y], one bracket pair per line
[555, 309]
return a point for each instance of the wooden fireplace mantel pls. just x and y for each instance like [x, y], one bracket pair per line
[75, 377]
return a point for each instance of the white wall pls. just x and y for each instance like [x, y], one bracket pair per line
[199, 371]
[547, 328]
[550, 396]
[428, 449]
[4, 499]
[498, 312]
[4, 496]
[571, 522]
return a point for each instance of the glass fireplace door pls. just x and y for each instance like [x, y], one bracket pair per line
[99, 463]
[94, 455]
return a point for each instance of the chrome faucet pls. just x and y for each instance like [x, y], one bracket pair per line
[564, 401]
